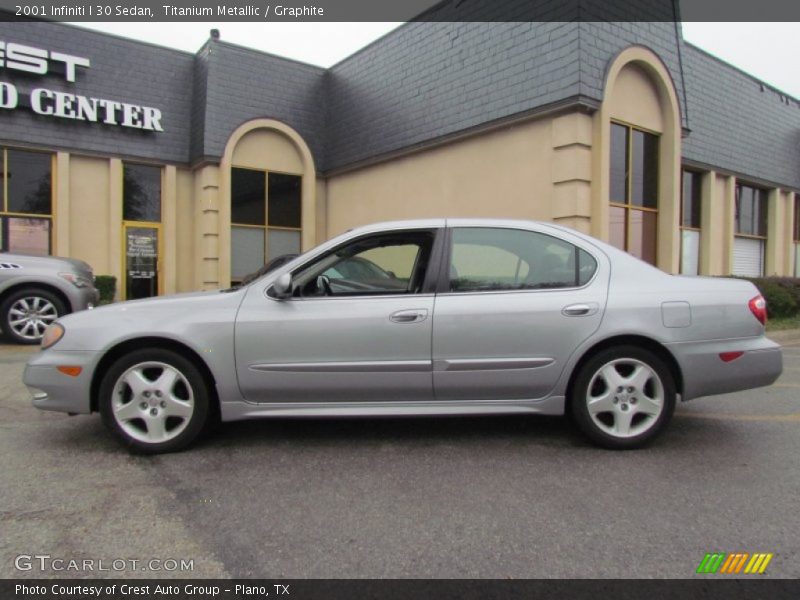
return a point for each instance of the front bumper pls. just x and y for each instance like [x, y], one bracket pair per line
[706, 374]
[54, 390]
[83, 298]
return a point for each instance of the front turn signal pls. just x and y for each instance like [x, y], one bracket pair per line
[69, 370]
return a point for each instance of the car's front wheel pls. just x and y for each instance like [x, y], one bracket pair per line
[623, 397]
[27, 312]
[154, 400]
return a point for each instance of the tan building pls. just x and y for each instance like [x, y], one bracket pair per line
[177, 172]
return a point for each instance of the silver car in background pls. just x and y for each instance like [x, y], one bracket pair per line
[36, 290]
[434, 317]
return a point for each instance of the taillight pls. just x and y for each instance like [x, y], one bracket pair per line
[758, 306]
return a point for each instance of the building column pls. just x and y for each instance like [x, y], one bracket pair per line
[711, 234]
[787, 247]
[169, 229]
[207, 228]
[61, 208]
[775, 233]
[727, 187]
[115, 222]
[572, 171]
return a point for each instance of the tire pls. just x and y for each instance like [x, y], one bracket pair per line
[623, 397]
[154, 401]
[27, 312]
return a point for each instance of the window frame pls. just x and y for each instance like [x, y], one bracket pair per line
[266, 227]
[764, 195]
[429, 282]
[627, 204]
[443, 278]
[5, 214]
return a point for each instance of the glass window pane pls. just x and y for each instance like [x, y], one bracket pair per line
[29, 182]
[393, 263]
[2, 179]
[248, 195]
[644, 171]
[797, 217]
[141, 262]
[281, 242]
[643, 235]
[485, 259]
[587, 265]
[762, 201]
[247, 251]
[744, 210]
[141, 193]
[616, 227]
[284, 200]
[690, 206]
[29, 236]
[619, 164]
[690, 252]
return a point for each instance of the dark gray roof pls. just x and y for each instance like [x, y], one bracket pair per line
[428, 80]
[740, 124]
[244, 84]
[419, 84]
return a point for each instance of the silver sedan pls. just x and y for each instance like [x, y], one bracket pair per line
[435, 317]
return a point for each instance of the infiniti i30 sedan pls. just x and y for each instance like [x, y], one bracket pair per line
[436, 317]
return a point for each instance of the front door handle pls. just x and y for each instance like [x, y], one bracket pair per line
[580, 310]
[414, 315]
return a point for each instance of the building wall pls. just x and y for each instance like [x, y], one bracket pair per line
[506, 173]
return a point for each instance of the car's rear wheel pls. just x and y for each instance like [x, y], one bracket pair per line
[154, 400]
[623, 397]
[26, 313]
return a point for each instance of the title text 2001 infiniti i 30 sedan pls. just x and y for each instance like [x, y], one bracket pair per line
[437, 317]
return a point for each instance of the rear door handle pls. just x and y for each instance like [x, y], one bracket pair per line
[414, 315]
[580, 310]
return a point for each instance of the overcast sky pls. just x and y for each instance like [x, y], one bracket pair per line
[768, 51]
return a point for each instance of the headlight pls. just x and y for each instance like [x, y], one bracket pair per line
[76, 280]
[52, 334]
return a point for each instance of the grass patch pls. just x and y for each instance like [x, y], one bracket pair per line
[783, 324]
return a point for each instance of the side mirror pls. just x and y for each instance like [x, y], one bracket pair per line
[282, 287]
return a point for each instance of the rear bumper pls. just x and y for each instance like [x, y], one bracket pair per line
[706, 374]
[52, 389]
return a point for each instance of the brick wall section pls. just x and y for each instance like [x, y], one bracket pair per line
[122, 70]
[428, 80]
[244, 84]
[739, 124]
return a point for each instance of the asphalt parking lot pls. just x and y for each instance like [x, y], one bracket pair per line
[468, 497]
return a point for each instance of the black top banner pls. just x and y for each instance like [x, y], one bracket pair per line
[400, 10]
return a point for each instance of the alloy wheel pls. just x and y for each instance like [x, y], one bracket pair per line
[625, 398]
[152, 402]
[30, 316]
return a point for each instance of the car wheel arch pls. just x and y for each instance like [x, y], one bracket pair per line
[121, 349]
[626, 340]
[36, 285]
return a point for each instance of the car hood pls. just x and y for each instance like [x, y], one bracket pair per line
[46, 262]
